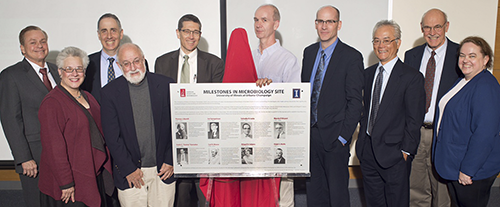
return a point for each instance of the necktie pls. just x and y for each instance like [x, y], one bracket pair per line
[376, 98]
[45, 77]
[429, 80]
[317, 88]
[111, 71]
[185, 70]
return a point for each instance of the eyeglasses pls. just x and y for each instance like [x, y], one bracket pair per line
[327, 22]
[187, 32]
[437, 28]
[384, 42]
[137, 63]
[69, 69]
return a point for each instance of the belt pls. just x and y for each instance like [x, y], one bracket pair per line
[428, 125]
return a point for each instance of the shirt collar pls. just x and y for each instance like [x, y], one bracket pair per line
[441, 51]
[389, 65]
[271, 48]
[37, 67]
[105, 56]
[191, 55]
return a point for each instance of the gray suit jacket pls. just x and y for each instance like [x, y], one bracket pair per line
[21, 92]
[210, 67]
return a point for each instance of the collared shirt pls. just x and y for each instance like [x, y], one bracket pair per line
[37, 71]
[276, 63]
[387, 73]
[104, 68]
[193, 65]
[328, 55]
[439, 57]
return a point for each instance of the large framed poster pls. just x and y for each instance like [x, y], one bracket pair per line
[240, 130]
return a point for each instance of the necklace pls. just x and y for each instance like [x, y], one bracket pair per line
[79, 96]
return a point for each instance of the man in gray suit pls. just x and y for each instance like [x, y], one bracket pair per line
[22, 88]
[190, 65]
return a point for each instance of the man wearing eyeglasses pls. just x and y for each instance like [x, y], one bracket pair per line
[437, 61]
[22, 88]
[394, 108]
[188, 64]
[135, 113]
[335, 72]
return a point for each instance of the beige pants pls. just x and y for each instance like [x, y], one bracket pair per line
[425, 188]
[154, 193]
[286, 192]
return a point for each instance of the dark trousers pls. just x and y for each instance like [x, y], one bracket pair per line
[30, 190]
[187, 189]
[385, 187]
[329, 181]
[476, 194]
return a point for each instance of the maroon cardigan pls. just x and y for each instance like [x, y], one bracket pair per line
[68, 158]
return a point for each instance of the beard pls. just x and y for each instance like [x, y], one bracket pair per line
[136, 79]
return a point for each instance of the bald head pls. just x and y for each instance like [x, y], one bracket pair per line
[434, 26]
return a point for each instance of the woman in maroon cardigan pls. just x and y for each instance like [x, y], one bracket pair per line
[75, 167]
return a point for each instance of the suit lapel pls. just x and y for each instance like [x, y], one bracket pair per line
[201, 69]
[336, 56]
[156, 104]
[391, 88]
[33, 77]
[55, 74]
[174, 64]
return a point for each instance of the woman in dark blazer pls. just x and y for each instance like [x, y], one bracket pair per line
[75, 167]
[466, 149]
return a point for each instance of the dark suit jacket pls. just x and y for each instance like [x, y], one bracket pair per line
[210, 67]
[278, 161]
[339, 104]
[211, 135]
[450, 73]
[119, 128]
[400, 116]
[21, 92]
[469, 139]
[92, 82]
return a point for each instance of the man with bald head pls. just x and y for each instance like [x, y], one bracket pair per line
[335, 72]
[135, 113]
[437, 61]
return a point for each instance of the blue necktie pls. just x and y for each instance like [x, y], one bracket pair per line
[111, 71]
[376, 99]
[317, 88]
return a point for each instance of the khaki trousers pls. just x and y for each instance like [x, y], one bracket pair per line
[286, 192]
[154, 193]
[426, 187]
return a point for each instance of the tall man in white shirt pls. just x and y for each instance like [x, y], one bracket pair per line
[274, 64]
[437, 61]
[22, 88]
[188, 64]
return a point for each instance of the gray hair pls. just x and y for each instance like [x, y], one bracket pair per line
[72, 52]
[109, 15]
[392, 23]
[127, 45]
